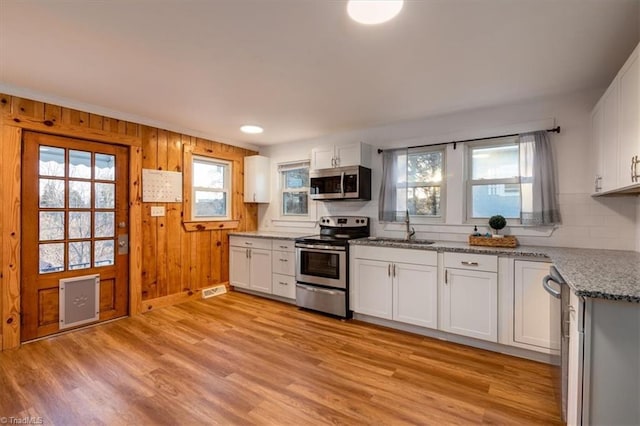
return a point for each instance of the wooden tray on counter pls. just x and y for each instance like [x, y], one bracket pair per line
[506, 241]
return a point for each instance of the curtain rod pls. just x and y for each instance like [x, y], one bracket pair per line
[554, 130]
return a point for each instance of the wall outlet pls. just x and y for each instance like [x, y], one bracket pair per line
[157, 211]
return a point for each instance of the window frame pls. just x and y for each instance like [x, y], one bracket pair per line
[191, 223]
[282, 168]
[442, 185]
[226, 188]
[469, 182]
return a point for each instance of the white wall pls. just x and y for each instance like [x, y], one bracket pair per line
[587, 222]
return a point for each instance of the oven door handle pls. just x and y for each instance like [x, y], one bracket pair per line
[318, 290]
[545, 283]
[320, 248]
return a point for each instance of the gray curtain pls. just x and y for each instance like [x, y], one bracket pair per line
[538, 177]
[388, 202]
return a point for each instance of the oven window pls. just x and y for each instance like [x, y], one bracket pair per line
[326, 265]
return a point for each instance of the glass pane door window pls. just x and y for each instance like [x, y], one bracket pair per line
[77, 209]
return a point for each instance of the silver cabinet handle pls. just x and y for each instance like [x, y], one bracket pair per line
[282, 283]
[284, 247]
[389, 270]
[247, 243]
[394, 269]
[284, 260]
[632, 176]
[446, 276]
[464, 262]
[342, 184]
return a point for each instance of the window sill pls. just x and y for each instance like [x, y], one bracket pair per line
[210, 225]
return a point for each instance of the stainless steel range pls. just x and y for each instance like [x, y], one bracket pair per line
[322, 264]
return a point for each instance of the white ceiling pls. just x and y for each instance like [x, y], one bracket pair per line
[301, 68]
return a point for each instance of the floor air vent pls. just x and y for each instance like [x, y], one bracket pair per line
[79, 300]
[213, 291]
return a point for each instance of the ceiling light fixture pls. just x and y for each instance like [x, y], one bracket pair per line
[371, 12]
[251, 129]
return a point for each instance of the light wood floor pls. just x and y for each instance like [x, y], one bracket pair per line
[239, 359]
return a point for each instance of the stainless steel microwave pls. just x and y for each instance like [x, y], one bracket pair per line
[340, 183]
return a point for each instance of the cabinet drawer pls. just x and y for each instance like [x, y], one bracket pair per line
[284, 286]
[400, 255]
[283, 262]
[478, 262]
[259, 243]
[283, 245]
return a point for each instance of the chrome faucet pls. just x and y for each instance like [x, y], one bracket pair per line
[410, 231]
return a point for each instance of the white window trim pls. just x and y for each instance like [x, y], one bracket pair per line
[227, 188]
[509, 140]
[311, 204]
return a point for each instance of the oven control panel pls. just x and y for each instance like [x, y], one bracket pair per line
[344, 221]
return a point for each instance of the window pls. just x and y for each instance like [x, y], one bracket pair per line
[412, 180]
[211, 189]
[495, 184]
[294, 187]
[419, 183]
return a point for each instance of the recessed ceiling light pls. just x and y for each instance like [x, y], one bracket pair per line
[371, 12]
[251, 129]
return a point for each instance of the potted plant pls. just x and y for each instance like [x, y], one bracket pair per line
[496, 223]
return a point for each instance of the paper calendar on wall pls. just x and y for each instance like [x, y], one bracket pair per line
[159, 186]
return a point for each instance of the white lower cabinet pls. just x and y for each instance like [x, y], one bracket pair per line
[250, 263]
[396, 284]
[535, 312]
[469, 296]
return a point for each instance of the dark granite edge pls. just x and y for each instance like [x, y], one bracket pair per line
[606, 296]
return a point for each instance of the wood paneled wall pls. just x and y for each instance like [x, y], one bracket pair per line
[167, 263]
[178, 262]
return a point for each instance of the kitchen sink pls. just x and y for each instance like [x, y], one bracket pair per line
[400, 240]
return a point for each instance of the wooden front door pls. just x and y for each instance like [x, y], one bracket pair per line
[74, 213]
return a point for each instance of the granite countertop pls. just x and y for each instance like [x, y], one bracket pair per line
[275, 235]
[603, 274]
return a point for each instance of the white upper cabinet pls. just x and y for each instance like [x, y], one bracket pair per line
[355, 154]
[256, 179]
[629, 127]
[615, 131]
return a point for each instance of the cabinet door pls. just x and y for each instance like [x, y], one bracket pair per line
[239, 267]
[536, 313]
[373, 288]
[322, 157]
[610, 137]
[629, 136]
[415, 294]
[284, 285]
[597, 118]
[470, 304]
[261, 270]
[256, 179]
[284, 263]
[348, 155]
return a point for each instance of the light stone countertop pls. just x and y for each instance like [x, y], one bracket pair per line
[603, 274]
[274, 235]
